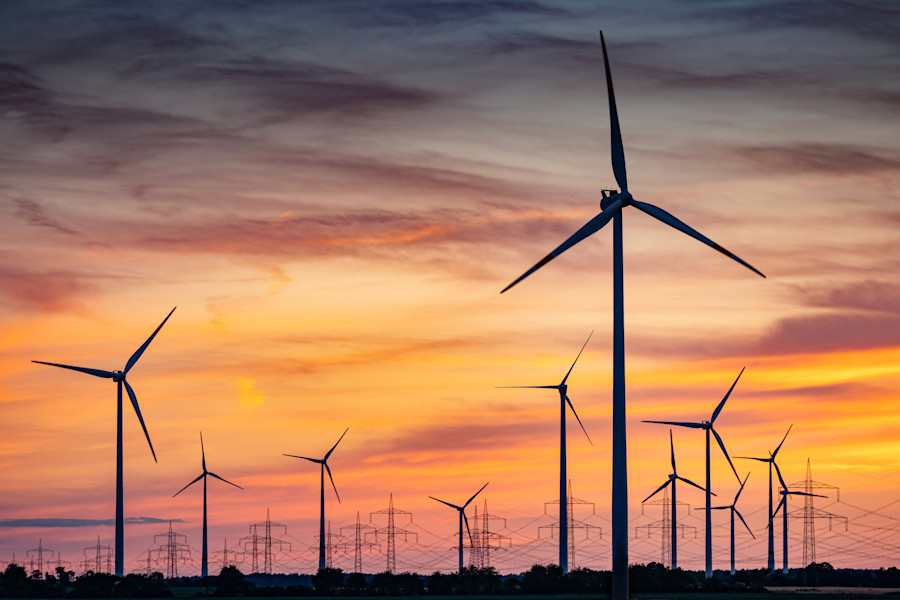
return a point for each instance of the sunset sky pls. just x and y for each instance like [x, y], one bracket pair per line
[333, 194]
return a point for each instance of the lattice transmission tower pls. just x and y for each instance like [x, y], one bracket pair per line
[252, 543]
[39, 553]
[332, 541]
[483, 539]
[391, 531]
[809, 513]
[664, 525]
[359, 542]
[590, 531]
[173, 550]
[101, 561]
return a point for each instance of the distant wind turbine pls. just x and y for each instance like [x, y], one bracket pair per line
[673, 476]
[785, 492]
[204, 560]
[708, 427]
[563, 400]
[119, 378]
[462, 518]
[324, 467]
[734, 511]
[771, 461]
[611, 210]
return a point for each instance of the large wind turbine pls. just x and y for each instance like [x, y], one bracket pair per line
[119, 378]
[563, 510]
[324, 467]
[462, 518]
[204, 561]
[673, 476]
[734, 511]
[611, 210]
[708, 427]
[771, 461]
[785, 492]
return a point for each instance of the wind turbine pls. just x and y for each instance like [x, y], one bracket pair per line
[708, 427]
[204, 562]
[673, 476]
[462, 518]
[785, 492]
[119, 378]
[771, 461]
[324, 467]
[611, 210]
[563, 510]
[734, 511]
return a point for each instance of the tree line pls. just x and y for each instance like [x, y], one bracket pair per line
[538, 580]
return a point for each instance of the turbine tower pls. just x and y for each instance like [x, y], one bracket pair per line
[119, 378]
[673, 476]
[611, 210]
[324, 467]
[734, 511]
[204, 559]
[707, 426]
[785, 492]
[462, 518]
[771, 461]
[563, 400]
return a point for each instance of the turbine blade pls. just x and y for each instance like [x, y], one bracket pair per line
[780, 478]
[469, 531]
[658, 490]
[780, 504]
[529, 387]
[447, 503]
[137, 411]
[677, 423]
[589, 228]
[225, 480]
[579, 420]
[722, 403]
[137, 353]
[699, 487]
[736, 496]
[332, 482]
[94, 372]
[754, 458]
[672, 448]
[189, 485]
[577, 357]
[202, 452]
[616, 149]
[315, 460]
[672, 221]
[473, 496]
[336, 444]
[743, 521]
[805, 494]
[724, 451]
[782, 441]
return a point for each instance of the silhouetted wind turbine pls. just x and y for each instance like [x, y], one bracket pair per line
[708, 427]
[611, 210]
[119, 378]
[734, 511]
[563, 510]
[673, 476]
[204, 561]
[324, 467]
[771, 461]
[785, 492]
[462, 518]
